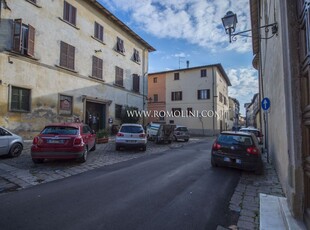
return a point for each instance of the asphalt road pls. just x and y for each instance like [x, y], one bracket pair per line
[176, 189]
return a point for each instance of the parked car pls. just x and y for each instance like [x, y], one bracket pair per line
[63, 141]
[10, 143]
[152, 130]
[238, 150]
[257, 133]
[131, 136]
[181, 133]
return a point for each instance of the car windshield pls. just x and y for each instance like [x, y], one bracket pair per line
[60, 130]
[251, 131]
[131, 129]
[235, 140]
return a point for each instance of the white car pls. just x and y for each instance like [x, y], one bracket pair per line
[131, 136]
[10, 143]
[257, 133]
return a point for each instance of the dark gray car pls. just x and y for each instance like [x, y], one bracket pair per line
[181, 133]
[10, 143]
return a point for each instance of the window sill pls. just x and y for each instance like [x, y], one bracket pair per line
[97, 78]
[137, 62]
[98, 40]
[35, 4]
[74, 26]
[65, 68]
[119, 86]
[134, 91]
[23, 55]
[120, 52]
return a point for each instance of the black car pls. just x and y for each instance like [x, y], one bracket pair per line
[237, 150]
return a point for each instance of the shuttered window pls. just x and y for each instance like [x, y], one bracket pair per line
[176, 96]
[120, 45]
[119, 76]
[98, 31]
[118, 111]
[97, 67]
[135, 83]
[23, 38]
[203, 94]
[136, 56]
[20, 99]
[69, 13]
[203, 73]
[67, 55]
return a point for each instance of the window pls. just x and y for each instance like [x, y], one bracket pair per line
[136, 83]
[225, 101]
[119, 76]
[189, 112]
[203, 73]
[120, 45]
[67, 54]
[176, 76]
[203, 94]
[98, 31]
[136, 56]
[155, 80]
[176, 96]
[65, 105]
[69, 13]
[155, 96]
[20, 99]
[23, 38]
[118, 111]
[171, 121]
[221, 97]
[176, 111]
[97, 67]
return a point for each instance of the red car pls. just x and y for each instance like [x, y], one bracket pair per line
[63, 141]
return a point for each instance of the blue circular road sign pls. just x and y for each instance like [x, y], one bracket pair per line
[265, 103]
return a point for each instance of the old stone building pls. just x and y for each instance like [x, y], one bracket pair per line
[67, 60]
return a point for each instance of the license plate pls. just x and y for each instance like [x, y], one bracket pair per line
[55, 141]
[227, 159]
[131, 141]
[238, 161]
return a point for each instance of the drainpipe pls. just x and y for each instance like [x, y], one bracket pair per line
[213, 96]
[144, 82]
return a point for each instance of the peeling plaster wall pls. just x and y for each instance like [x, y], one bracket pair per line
[46, 80]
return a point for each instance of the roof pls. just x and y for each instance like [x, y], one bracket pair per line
[122, 25]
[218, 65]
[236, 133]
[66, 124]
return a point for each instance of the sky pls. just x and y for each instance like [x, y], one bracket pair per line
[192, 30]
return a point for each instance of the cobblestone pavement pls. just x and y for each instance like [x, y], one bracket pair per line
[21, 172]
[245, 200]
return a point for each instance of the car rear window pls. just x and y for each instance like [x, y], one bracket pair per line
[60, 130]
[235, 140]
[251, 131]
[184, 129]
[131, 129]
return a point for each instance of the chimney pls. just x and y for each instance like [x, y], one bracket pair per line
[187, 63]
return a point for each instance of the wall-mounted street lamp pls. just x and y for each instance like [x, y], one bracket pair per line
[230, 20]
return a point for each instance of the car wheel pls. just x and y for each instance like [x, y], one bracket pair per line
[37, 161]
[186, 140]
[144, 148]
[84, 157]
[175, 138]
[94, 147]
[117, 148]
[213, 164]
[16, 150]
[259, 171]
[156, 140]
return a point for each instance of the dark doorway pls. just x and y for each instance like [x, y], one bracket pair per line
[95, 115]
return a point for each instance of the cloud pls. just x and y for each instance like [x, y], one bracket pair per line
[196, 21]
[244, 85]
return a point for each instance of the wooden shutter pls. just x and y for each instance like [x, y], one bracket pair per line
[73, 15]
[136, 83]
[31, 35]
[198, 94]
[208, 94]
[17, 35]
[63, 54]
[71, 56]
[97, 67]
[118, 76]
[66, 11]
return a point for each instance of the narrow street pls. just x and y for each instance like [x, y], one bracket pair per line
[175, 189]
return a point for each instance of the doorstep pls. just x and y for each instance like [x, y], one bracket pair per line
[275, 214]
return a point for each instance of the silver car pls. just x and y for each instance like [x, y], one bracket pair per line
[10, 143]
[131, 135]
